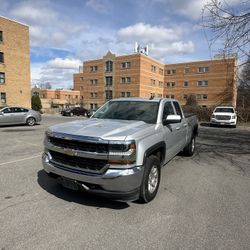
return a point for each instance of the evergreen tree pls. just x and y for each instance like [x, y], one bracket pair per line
[36, 103]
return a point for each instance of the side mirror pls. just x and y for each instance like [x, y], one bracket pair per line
[172, 119]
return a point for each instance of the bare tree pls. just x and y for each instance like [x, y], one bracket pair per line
[229, 25]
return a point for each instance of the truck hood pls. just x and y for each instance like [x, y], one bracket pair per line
[102, 128]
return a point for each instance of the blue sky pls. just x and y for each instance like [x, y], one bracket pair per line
[64, 33]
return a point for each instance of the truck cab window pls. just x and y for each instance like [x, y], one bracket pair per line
[178, 109]
[168, 110]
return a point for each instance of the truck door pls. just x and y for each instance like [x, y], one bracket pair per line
[181, 128]
[171, 132]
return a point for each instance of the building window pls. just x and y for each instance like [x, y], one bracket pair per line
[1, 57]
[152, 95]
[2, 78]
[93, 68]
[160, 84]
[170, 71]
[201, 97]
[126, 65]
[186, 71]
[152, 82]
[57, 96]
[109, 94]
[109, 80]
[170, 84]
[93, 81]
[160, 71]
[81, 88]
[203, 69]
[202, 83]
[81, 78]
[125, 94]
[170, 96]
[126, 79]
[185, 97]
[3, 98]
[109, 66]
[153, 68]
[93, 94]
[1, 36]
[185, 83]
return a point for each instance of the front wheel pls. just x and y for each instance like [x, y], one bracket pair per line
[190, 148]
[151, 179]
[31, 121]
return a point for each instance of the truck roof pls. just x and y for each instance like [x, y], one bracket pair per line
[137, 99]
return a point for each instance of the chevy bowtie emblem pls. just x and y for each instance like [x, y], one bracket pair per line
[69, 151]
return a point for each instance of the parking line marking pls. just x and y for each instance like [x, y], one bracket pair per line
[23, 159]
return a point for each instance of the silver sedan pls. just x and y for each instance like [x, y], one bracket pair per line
[18, 115]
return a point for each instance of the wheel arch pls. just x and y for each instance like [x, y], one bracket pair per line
[159, 150]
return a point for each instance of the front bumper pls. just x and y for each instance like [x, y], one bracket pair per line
[119, 184]
[223, 122]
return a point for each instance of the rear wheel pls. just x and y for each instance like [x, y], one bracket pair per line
[151, 179]
[31, 121]
[190, 148]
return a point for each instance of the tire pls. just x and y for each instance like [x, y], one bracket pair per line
[151, 179]
[190, 148]
[31, 121]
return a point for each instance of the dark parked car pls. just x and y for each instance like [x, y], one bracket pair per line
[74, 111]
[18, 115]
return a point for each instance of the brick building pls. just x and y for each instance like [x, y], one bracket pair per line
[14, 64]
[137, 75]
[57, 98]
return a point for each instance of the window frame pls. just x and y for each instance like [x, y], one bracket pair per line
[1, 57]
[2, 78]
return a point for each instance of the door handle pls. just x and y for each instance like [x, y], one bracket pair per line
[177, 128]
[185, 124]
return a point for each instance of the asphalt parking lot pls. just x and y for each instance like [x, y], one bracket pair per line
[203, 202]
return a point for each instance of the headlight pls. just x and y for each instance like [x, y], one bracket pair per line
[121, 152]
[233, 117]
[122, 148]
[213, 116]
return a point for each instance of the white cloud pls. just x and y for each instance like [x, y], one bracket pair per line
[148, 33]
[101, 6]
[161, 40]
[61, 63]
[34, 14]
[58, 72]
[47, 29]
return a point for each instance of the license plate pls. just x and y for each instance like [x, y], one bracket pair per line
[68, 183]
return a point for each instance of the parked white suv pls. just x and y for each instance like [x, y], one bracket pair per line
[224, 115]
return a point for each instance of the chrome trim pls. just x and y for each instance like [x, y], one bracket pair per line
[73, 152]
[48, 159]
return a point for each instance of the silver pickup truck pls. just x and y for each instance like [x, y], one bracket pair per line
[119, 151]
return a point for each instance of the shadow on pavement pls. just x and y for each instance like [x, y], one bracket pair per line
[52, 187]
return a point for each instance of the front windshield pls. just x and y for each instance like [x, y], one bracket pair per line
[224, 110]
[129, 110]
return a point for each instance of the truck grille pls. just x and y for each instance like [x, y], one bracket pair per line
[223, 117]
[79, 145]
[85, 164]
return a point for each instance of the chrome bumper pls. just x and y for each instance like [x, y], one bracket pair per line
[114, 183]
